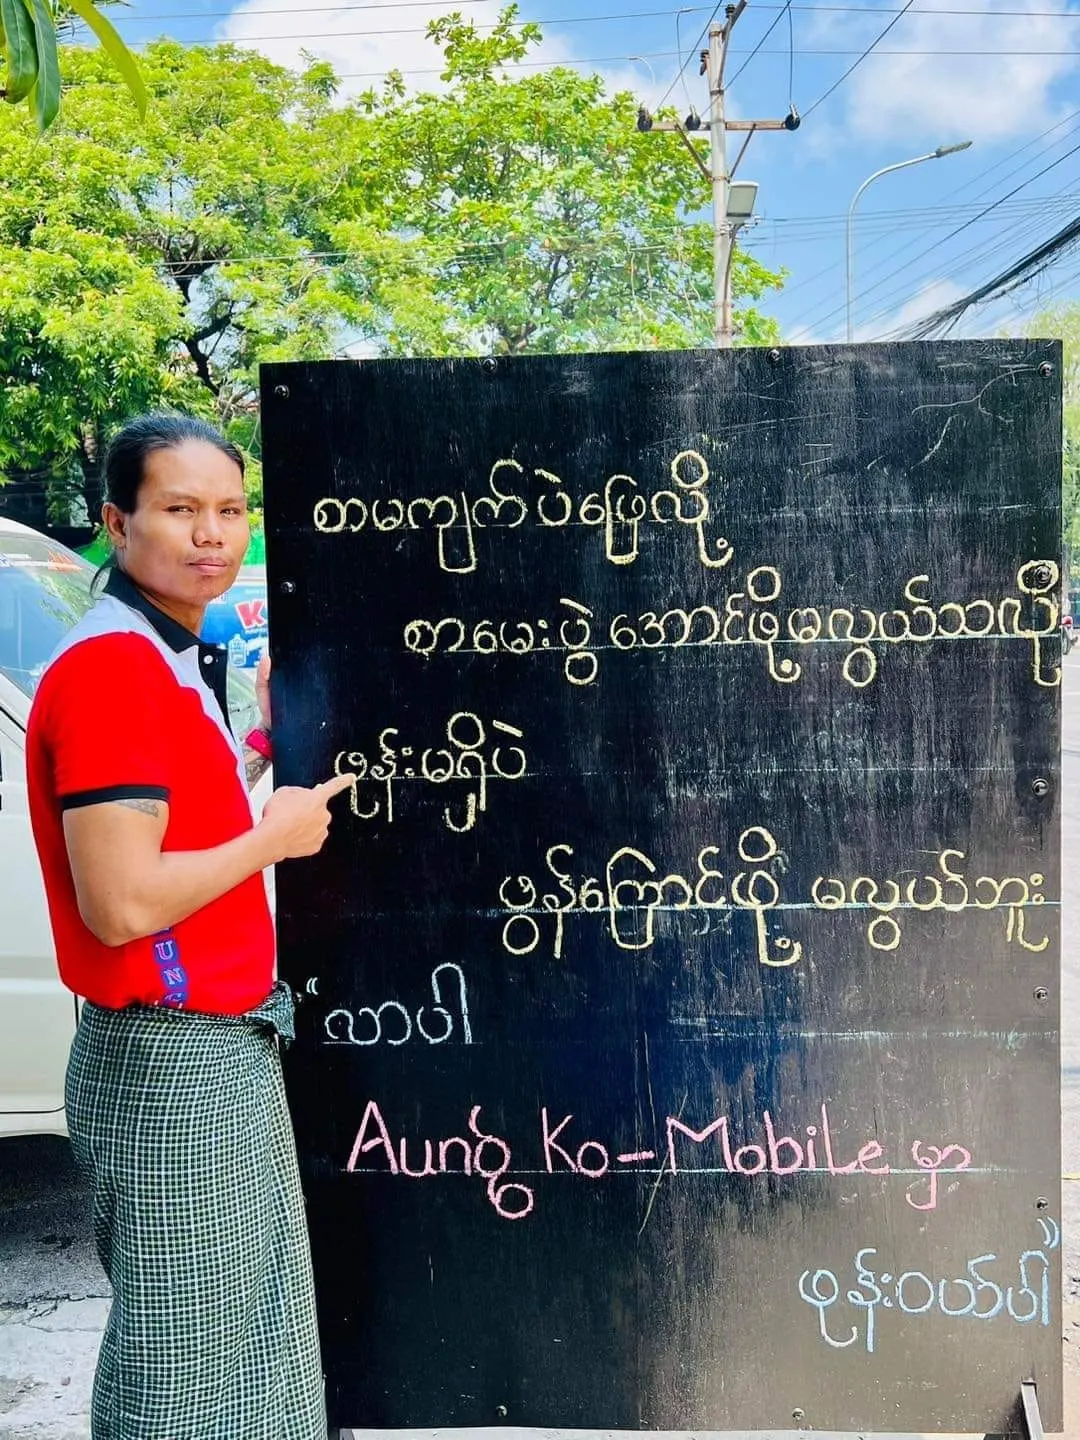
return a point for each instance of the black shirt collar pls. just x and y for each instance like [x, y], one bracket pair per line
[213, 659]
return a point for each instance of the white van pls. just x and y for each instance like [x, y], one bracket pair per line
[44, 589]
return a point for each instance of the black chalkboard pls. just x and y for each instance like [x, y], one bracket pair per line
[679, 988]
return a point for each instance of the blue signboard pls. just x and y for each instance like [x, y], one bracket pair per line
[239, 619]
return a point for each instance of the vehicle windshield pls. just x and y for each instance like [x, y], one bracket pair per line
[44, 591]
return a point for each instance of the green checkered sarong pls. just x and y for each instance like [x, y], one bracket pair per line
[180, 1122]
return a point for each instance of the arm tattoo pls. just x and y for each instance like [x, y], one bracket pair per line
[145, 807]
[255, 766]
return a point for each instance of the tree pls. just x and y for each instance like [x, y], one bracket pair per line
[28, 40]
[124, 272]
[252, 218]
[1063, 322]
[531, 215]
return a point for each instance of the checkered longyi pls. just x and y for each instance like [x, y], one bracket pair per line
[180, 1122]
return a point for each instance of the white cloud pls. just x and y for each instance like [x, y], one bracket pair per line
[997, 317]
[364, 44]
[934, 296]
[944, 97]
[931, 297]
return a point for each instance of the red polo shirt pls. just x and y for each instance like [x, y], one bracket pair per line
[132, 706]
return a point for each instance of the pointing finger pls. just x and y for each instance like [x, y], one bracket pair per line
[329, 788]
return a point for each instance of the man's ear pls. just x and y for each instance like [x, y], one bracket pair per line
[115, 522]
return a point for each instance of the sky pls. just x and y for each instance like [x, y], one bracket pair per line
[1005, 75]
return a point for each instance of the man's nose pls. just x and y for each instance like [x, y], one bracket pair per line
[208, 528]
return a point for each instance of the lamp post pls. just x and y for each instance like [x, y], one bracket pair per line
[886, 170]
[741, 196]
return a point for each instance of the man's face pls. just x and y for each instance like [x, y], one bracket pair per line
[185, 540]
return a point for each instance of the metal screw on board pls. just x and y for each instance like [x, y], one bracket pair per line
[501, 1411]
[798, 1414]
[281, 391]
[1040, 787]
[1041, 993]
[288, 587]
[1043, 575]
[774, 356]
[1042, 1203]
[1046, 369]
[489, 365]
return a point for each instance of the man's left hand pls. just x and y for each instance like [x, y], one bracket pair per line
[262, 690]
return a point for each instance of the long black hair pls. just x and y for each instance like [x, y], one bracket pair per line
[129, 448]
[125, 458]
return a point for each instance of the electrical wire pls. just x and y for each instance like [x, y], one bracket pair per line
[852, 68]
[540, 66]
[585, 19]
[1026, 268]
[466, 250]
[308, 35]
[987, 210]
[973, 259]
[812, 318]
[1047, 297]
[603, 241]
[683, 63]
[757, 48]
[763, 234]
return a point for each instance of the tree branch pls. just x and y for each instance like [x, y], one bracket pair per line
[202, 365]
[215, 326]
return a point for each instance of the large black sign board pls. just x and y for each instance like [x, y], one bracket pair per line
[678, 1035]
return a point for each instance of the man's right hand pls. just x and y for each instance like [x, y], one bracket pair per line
[296, 821]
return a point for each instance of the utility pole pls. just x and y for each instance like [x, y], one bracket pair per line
[725, 223]
[723, 236]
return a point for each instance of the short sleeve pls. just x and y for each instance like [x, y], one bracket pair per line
[105, 714]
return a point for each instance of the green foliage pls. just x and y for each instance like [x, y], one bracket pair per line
[28, 41]
[20, 49]
[114, 47]
[539, 216]
[1062, 322]
[123, 279]
[251, 217]
[45, 95]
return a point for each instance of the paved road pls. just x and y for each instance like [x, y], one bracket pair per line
[53, 1296]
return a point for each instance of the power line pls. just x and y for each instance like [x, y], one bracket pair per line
[541, 66]
[813, 317]
[696, 46]
[682, 63]
[1022, 270]
[971, 259]
[1045, 297]
[757, 48]
[762, 235]
[852, 68]
[967, 223]
[980, 14]
[862, 55]
[910, 213]
[467, 250]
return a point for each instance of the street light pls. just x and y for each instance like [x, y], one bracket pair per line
[741, 197]
[886, 170]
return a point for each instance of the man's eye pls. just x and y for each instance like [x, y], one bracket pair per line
[179, 509]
